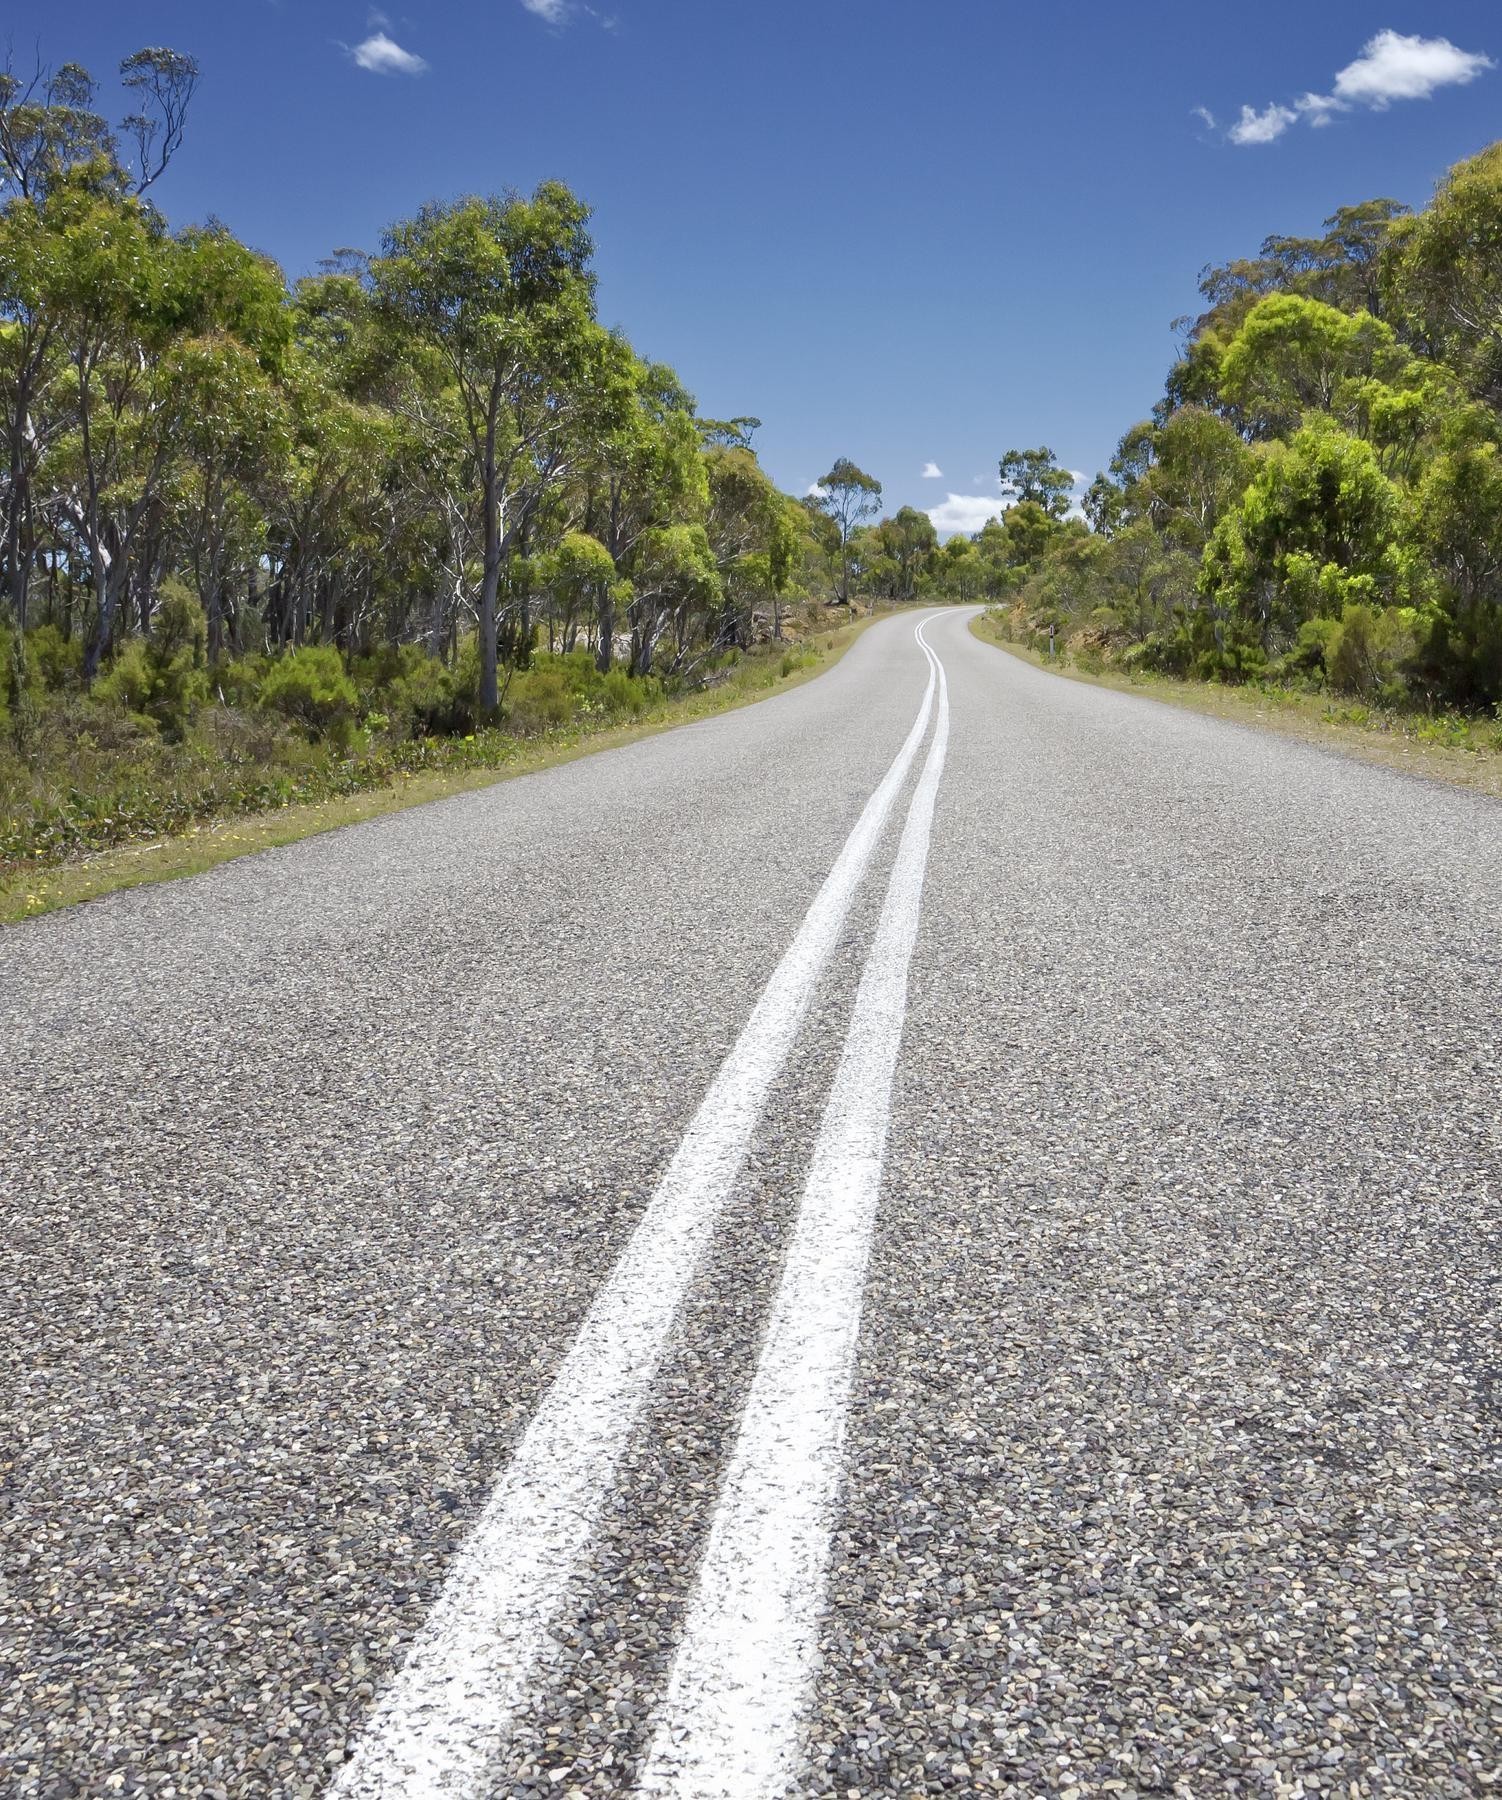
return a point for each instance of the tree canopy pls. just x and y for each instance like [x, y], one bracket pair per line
[1315, 497]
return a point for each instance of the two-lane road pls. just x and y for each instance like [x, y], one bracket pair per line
[935, 1234]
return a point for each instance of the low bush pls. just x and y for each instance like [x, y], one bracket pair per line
[1370, 651]
[310, 689]
[162, 677]
[163, 743]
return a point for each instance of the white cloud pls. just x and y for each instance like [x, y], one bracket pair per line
[932, 472]
[1390, 67]
[1319, 109]
[1204, 115]
[554, 11]
[813, 491]
[383, 56]
[1265, 127]
[1394, 67]
[964, 512]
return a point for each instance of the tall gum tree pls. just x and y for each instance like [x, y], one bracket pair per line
[849, 495]
[500, 290]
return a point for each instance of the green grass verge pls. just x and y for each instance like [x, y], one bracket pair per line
[1463, 752]
[26, 893]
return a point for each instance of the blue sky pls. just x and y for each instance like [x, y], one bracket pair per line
[913, 234]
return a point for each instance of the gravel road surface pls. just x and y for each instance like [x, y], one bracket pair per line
[1141, 1435]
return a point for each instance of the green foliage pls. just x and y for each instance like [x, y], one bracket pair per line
[1370, 652]
[1443, 275]
[847, 494]
[1318, 498]
[98, 777]
[440, 446]
[1034, 478]
[18, 684]
[56, 658]
[310, 689]
[1294, 357]
[1315, 531]
[163, 677]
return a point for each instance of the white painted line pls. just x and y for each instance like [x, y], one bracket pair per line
[444, 1718]
[728, 1727]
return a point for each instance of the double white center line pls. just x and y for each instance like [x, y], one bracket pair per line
[728, 1728]
[729, 1723]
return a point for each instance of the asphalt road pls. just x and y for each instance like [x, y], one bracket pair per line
[800, 1256]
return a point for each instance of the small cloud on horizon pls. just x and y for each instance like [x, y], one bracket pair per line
[932, 472]
[965, 513]
[1391, 67]
[381, 55]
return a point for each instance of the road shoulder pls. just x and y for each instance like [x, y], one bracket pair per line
[28, 895]
[1294, 716]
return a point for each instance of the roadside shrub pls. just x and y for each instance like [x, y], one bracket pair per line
[1161, 653]
[540, 699]
[310, 689]
[57, 660]
[423, 698]
[623, 694]
[16, 701]
[162, 677]
[237, 682]
[1309, 656]
[234, 735]
[1369, 651]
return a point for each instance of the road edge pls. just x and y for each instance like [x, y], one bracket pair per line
[1477, 772]
[179, 858]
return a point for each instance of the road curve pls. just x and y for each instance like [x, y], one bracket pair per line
[937, 1234]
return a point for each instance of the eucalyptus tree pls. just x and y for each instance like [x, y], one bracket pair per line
[582, 581]
[959, 571]
[233, 435]
[1442, 277]
[162, 83]
[643, 472]
[106, 286]
[501, 292]
[675, 588]
[729, 434]
[49, 126]
[909, 542]
[230, 331]
[33, 399]
[849, 495]
[753, 535]
[1035, 477]
[53, 136]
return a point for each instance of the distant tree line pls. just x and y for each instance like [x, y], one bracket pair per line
[1317, 499]
[436, 451]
